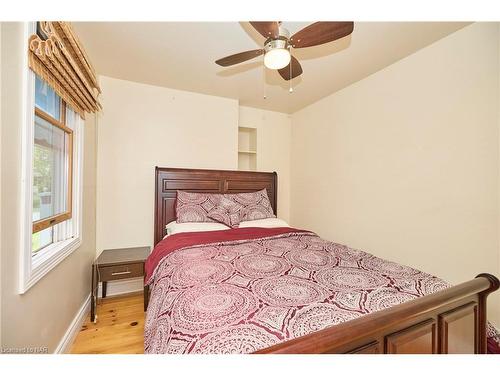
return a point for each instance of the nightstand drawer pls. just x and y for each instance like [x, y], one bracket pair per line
[109, 273]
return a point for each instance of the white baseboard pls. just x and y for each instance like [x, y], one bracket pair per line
[122, 287]
[73, 329]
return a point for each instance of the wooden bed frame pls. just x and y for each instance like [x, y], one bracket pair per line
[449, 321]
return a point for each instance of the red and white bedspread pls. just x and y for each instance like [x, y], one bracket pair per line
[241, 290]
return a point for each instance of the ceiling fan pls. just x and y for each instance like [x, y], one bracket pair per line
[278, 45]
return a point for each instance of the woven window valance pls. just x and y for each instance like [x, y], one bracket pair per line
[59, 58]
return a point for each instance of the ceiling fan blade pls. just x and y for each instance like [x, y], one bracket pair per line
[295, 71]
[267, 29]
[320, 33]
[239, 57]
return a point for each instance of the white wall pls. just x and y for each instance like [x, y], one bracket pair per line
[144, 126]
[171, 128]
[405, 163]
[41, 316]
[273, 148]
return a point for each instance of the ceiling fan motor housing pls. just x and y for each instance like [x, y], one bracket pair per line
[280, 42]
[275, 43]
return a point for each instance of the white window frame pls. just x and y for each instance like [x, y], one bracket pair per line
[34, 267]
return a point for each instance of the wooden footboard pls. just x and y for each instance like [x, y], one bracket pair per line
[450, 321]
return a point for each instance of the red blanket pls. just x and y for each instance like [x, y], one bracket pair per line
[241, 290]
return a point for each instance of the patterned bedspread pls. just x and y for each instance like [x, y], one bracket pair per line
[242, 293]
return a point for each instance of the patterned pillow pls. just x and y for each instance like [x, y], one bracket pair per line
[195, 207]
[228, 212]
[256, 205]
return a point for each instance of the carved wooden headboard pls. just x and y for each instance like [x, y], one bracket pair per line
[169, 180]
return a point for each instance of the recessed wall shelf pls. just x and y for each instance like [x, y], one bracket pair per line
[247, 149]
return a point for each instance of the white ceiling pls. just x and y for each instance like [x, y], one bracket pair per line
[181, 55]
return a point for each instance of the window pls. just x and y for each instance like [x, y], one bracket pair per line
[52, 165]
[51, 181]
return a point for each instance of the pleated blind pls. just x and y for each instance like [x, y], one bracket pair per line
[56, 55]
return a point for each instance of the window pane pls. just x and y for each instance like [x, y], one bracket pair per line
[50, 170]
[46, 99]
[40, 32]
[41, 239]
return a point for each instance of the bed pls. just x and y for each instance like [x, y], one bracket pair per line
[286, 290]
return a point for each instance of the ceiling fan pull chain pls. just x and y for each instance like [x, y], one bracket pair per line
[290, 90]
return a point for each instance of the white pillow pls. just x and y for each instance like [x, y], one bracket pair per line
[174, 227]
[264, 223]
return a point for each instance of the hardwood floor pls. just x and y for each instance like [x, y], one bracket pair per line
[119, 327]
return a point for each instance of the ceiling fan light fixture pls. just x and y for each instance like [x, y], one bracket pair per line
[277, 54]
[277, 58]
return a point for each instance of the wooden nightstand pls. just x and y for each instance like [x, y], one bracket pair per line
[118, 264]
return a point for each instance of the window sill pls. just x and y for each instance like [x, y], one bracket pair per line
[49, 258]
